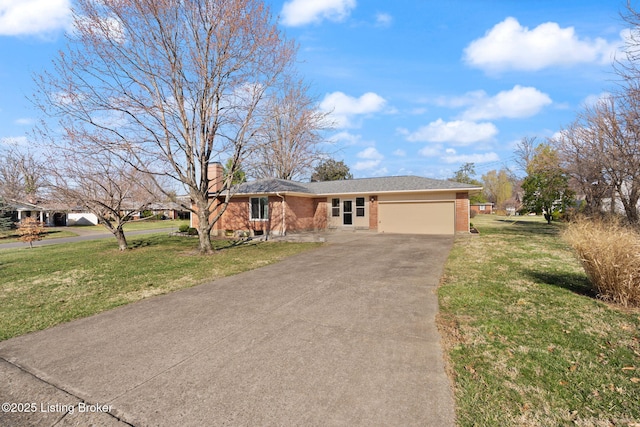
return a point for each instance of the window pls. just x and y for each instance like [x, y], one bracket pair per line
[259, 208]
[481, 207]
[335, 207]
[360, 206]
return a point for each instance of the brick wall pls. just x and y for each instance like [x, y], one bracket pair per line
[302, 214]
[462, 212]
[373, 213]
[320, 215]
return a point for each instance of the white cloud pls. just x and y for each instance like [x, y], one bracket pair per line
[371, 159]
[301, 12]
[343, 107]
[14, 141]
[383, 19]
[25, 121]
[431, 151]
[510, 46]
[592, 100]
[399, 153]
[346, 138]
[459, 132]
[34, 17]
[110, 28]
[518, 102]
[366, 164]
[370, 153]
[478, 158]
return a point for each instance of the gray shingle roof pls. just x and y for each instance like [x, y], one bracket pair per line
[362, 185]
[271, 185]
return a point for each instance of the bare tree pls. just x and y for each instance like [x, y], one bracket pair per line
[525, 152]
[289, 142]
[618, 137]
[175, 84]
[103, 184]
[22, 175]
[581, 152]
[601, 150]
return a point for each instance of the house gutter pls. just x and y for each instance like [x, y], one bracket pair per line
[284, 224]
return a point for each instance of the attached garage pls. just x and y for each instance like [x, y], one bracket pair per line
[417, 217]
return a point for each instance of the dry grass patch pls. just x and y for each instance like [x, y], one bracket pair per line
[610, 254]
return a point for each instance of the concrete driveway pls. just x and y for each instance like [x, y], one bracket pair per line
[342, 335]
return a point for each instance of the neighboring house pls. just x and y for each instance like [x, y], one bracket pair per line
[397, 204]
[51, 214]
[482, 208]
[169, 210]
[79, 217]
[21, 210]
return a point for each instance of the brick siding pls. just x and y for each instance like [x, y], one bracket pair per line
[462, 212]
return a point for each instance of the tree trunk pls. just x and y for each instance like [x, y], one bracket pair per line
[204, 246]
[122, 240]
[204, 232]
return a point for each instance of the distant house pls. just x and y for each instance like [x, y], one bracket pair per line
[50, 214]
[482, 208]
[169, 210]
[397, 204]
[22, 210]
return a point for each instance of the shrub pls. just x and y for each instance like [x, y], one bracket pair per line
[610, 254]
[183, 228]
[30, 230]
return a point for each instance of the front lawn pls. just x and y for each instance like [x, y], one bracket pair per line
[47, 285]
[527, 343]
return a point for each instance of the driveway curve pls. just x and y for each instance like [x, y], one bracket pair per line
[341, 335]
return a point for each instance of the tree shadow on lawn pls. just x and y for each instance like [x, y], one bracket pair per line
[574, 282]
[524, 227]
[144, 242]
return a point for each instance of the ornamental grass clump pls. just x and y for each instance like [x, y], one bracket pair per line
[610, 254]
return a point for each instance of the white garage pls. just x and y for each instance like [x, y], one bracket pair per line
[416, 217]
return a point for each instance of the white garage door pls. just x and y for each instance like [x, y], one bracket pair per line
[417, 217]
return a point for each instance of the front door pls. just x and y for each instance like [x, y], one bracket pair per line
[347, 212]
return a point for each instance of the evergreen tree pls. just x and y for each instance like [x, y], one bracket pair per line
[6, 222]
[331, 170]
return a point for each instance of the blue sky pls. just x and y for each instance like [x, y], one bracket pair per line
[415, 87]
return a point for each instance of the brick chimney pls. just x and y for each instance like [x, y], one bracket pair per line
[215, 173]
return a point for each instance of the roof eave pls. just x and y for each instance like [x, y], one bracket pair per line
[471, 190]
[271, 193]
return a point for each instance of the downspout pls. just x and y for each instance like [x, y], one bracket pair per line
[284, 224]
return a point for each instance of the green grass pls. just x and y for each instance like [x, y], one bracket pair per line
[47, 285]
[526, 341]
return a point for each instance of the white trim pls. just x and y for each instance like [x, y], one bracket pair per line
[382, 202]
